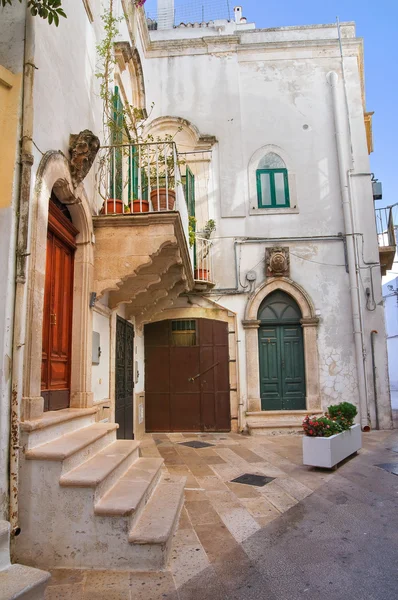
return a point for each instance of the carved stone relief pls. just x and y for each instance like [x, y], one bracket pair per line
[83, 148]
[277, 262]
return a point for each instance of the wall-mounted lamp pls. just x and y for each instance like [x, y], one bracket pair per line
[93, 297]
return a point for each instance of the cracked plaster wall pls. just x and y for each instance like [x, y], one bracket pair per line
[279, 95]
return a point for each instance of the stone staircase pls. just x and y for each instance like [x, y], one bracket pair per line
[18, 581]
[90, 501]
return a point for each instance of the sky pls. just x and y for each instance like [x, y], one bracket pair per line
[377, 23]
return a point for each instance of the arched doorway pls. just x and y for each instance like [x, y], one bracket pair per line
[281, 353]
[58, 307]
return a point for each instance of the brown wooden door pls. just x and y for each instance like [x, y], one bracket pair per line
[57, 312]
[187, 385]
[124, 392]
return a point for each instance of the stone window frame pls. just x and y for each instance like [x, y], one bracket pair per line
[252, 169]
[309, 323]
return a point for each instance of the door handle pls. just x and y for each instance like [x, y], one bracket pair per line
[192, 379]
[53, 319]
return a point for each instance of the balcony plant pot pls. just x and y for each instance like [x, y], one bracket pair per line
[140, 206]
[159, 199]
[201, 275]
[327, 452]
[113, 207]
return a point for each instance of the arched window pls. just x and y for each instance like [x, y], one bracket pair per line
[272, 182]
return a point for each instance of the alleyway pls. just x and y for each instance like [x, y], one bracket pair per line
[305, 534]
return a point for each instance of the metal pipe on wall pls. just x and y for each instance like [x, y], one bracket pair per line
[351, 254]
[372, 344]
[261, 240]
[19, 334]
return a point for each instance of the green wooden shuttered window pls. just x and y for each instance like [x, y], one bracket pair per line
[272, 188]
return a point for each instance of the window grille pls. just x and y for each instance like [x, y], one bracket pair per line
[183, 333]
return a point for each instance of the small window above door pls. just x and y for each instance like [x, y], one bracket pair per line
[183, 333]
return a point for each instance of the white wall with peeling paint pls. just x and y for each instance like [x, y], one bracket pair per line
[266, 88]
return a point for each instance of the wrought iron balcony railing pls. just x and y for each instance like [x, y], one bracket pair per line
[385, 237]
[203, 272]
[385, 227]
[141, 178]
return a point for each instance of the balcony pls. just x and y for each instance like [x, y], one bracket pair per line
[142, 256]
[203, 271]
[385, 237]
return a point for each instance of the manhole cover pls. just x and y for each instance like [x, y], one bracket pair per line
[249, 479]
[389, 467]
[196, 444]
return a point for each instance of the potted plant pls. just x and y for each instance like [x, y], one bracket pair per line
[162, 172]
[140, 206]
[201, 272]
[331, 438]
[112, 206]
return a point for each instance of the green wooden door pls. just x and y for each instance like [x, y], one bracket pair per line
[281, 353]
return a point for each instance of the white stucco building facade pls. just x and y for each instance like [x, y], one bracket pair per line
[390, 295]
[294, 93]
[123, 320]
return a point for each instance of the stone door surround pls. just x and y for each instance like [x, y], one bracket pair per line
[53, 174]
[309, 323]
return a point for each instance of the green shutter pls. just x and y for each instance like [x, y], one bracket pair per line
[116, 172]
[190, 191]
[278, 198]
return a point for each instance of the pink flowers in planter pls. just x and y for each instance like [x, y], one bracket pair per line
[339, 417]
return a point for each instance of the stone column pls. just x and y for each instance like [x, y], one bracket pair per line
[252, 365]
[309, 325]
[81, 395]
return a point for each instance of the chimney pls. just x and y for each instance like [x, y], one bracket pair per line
[165, 14]
[238, 13]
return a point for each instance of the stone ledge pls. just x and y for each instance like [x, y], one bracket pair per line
[56, 417]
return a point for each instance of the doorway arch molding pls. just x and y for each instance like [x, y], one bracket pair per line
[309, 323]
[53, 174]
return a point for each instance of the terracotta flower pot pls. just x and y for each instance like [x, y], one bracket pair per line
[201, 275]
[113, 207]
[160, 203]
[140, 206]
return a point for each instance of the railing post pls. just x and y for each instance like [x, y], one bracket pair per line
[157, 174]
[167, 175]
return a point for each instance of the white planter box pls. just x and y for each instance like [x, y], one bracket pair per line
[328, 452]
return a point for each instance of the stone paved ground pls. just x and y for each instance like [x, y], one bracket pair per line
[306, 535]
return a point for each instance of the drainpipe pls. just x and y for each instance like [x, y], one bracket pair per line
[372, 343]
[351, 255]
[26, 161]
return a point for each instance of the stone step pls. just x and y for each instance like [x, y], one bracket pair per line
[131, 492]
[53, 424]
[104, 469]
[4, 545]
[23, 583]
[159, 519]
[274, 424]
[75, 447]
[274, 421]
